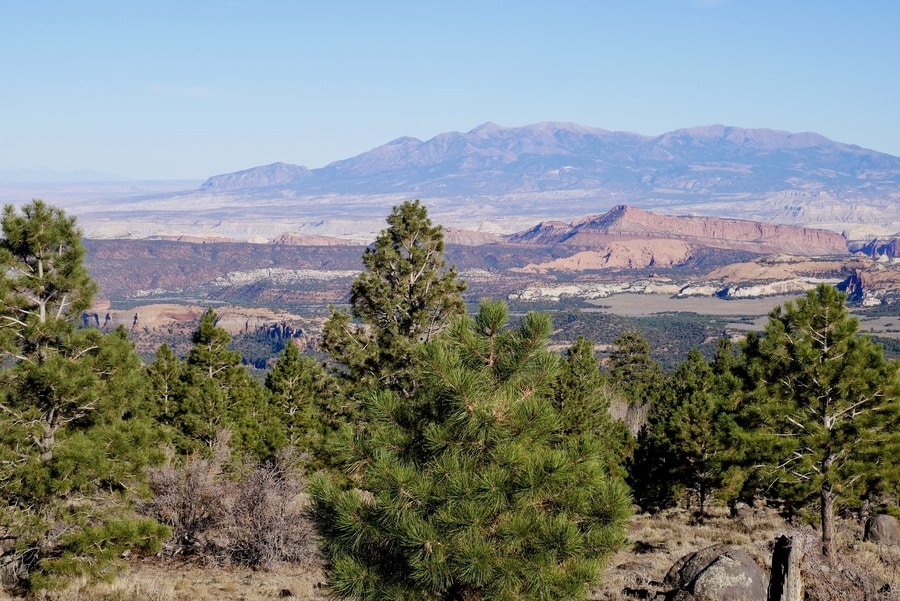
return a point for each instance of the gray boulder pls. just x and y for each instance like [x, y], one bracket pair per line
[883, 530]
[716, 573]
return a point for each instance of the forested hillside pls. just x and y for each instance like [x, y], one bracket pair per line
[426, 450]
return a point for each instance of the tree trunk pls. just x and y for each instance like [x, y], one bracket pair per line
[46, 438]
[829, 545]
[46, 441]
[702, 494]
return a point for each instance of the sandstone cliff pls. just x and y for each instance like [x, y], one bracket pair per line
[875, 284]
[628, 223]
[627, 254]
[311, 240]
[465, 237]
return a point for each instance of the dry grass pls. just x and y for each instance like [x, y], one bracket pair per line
[656, 542]
[181, 581]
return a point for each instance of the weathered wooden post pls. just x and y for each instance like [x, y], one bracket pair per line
[786, 581]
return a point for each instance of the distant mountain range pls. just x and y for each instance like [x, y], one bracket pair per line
[552, 157]
[506, 179]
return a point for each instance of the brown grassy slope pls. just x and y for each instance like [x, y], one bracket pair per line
[173, 580]
[656, 542]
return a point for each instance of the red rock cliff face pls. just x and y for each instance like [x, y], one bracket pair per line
[628, 223]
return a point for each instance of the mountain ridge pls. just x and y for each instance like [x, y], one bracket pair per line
[501, 180]
[546, 151]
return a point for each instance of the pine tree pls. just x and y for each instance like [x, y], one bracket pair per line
[728, 384]
[636, 375]
[218, 393]
[295, 383]
[165, 385]
[209, 374]
[471, 488]
[583, 400]
[76, 419]
[74, 440]
[821, 407]
[633, 369]
[685, 446]
[44, 285]
[403, 297]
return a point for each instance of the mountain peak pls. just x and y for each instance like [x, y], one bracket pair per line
[490, 129]
[486, 129]
[275, 174]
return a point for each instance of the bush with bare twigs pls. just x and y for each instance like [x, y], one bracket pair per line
[191, 497]
[220, 512]
[266, 523]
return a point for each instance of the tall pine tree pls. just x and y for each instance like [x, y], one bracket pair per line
[44, 284]
[164, 383]
[294, 383]
[822, 407]
[74, 439]
[403, 297]
[583, 401]
[636, 375]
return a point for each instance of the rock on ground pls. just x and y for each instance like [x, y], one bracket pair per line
[883, 530]
[717, 573]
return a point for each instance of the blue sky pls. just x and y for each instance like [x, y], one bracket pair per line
[189, 89]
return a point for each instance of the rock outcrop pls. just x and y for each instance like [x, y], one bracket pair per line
[311, 240]
[717, 573]
[872, 284]
[193, 239]
[629, 223]
[465, 237]
[627, 254]
[882, 248]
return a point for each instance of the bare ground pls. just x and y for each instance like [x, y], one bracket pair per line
[639, 305]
